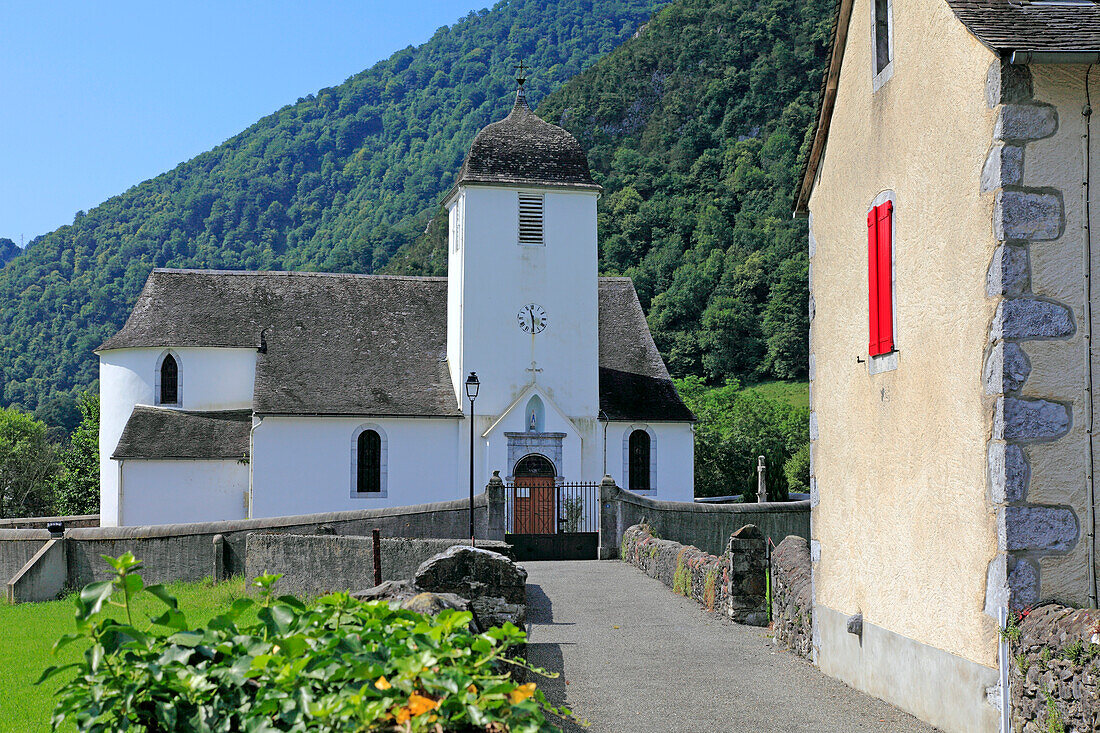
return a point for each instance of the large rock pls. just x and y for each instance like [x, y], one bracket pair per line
[490, 611]
[473, 573]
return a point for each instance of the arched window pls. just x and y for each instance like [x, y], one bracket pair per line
[534, 465]
[169, 381]
[639, 458]
[368, 474]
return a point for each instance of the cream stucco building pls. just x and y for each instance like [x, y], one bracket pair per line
[951, 316]
[256, 394]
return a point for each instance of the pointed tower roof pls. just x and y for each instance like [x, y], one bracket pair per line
[523, 149]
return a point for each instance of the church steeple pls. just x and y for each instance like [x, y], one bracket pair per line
[521, 95]
[525, 150]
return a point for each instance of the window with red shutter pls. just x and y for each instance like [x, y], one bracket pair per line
[880, 299]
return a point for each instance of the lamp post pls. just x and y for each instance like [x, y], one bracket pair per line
[472, 385]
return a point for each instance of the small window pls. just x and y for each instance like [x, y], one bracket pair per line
[169, 381]
[368, 478]
[880, 277]
[530, 219]
[639, 461]
[882, 50]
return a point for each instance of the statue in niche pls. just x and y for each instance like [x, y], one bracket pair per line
[534, 422]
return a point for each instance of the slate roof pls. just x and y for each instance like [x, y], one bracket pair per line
[1021, 25]
[524, 149]
[161, 433]
[634, 382]
[336, 344]
[369, 345]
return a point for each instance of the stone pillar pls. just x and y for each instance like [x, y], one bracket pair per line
[219, 573]
[610, 530]
[748, 601]
[494, 491]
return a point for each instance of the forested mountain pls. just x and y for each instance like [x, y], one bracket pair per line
[8, 251]
[338, 182]
[694, 128]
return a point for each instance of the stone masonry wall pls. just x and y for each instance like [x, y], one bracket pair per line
[1026, 220]
[792, 597]
[704, 577]
[316, 564]
[1055, 674]
[191, 552]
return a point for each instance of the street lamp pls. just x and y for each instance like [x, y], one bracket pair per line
[472, 385]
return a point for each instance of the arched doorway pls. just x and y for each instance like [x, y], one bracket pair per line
[534, 495]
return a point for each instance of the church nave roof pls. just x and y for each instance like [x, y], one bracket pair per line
[369, 345]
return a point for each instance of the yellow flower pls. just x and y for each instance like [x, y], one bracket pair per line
[402, 716]
[472, 690]
[382, 683]
[418, 704]
[521, 693]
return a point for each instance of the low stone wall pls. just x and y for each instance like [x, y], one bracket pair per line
[190, 552]
[706, 526]
[1055, 672]
[792, 596]
[734, 588]
[315, 564]
[78, 520]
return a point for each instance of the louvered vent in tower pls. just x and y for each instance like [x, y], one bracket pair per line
[530, 218]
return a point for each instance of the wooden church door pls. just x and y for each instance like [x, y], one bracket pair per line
[534, 496]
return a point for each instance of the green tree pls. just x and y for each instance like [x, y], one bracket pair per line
[76, 490]
[339, 181]
[797, 470]
[28, 462]
[786, 324]
[736, 426]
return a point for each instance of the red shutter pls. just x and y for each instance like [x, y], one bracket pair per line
[873, 279]
[885, 272]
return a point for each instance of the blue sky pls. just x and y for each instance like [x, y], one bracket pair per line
[97, 97]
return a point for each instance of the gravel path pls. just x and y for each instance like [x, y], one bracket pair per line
[635, 658]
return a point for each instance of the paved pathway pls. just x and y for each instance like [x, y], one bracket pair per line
[635, 658]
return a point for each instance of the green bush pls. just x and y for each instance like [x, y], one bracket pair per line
[736, 425]
[797, 470]
[336, 664]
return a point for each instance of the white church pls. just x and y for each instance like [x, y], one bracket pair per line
[232, 394]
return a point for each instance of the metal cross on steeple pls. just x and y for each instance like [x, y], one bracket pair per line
[521, 76]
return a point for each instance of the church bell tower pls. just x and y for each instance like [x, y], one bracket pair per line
[522, 266]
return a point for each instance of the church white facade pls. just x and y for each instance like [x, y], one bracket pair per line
[256, 394]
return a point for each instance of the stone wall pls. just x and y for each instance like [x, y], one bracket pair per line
[732, 587]
[76, 520]
[792, 597]
[316, 564]
[706, 526]
[1055, 672]
[190, 552]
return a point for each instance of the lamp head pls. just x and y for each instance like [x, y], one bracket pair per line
[472, 384]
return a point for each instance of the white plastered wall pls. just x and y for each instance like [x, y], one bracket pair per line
[210, 379]
[167, 492]
[302, 465]
[498, 277]
[672, 457]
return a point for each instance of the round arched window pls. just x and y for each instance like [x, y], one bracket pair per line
[639, 461]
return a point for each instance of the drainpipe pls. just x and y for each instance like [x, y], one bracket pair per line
[251, 459]
[1090, 487]
[604, 416]
[118, 512]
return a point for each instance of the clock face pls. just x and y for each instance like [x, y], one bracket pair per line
[532, 318]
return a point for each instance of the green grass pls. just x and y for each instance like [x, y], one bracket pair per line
[796, 394]
[28, 631]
